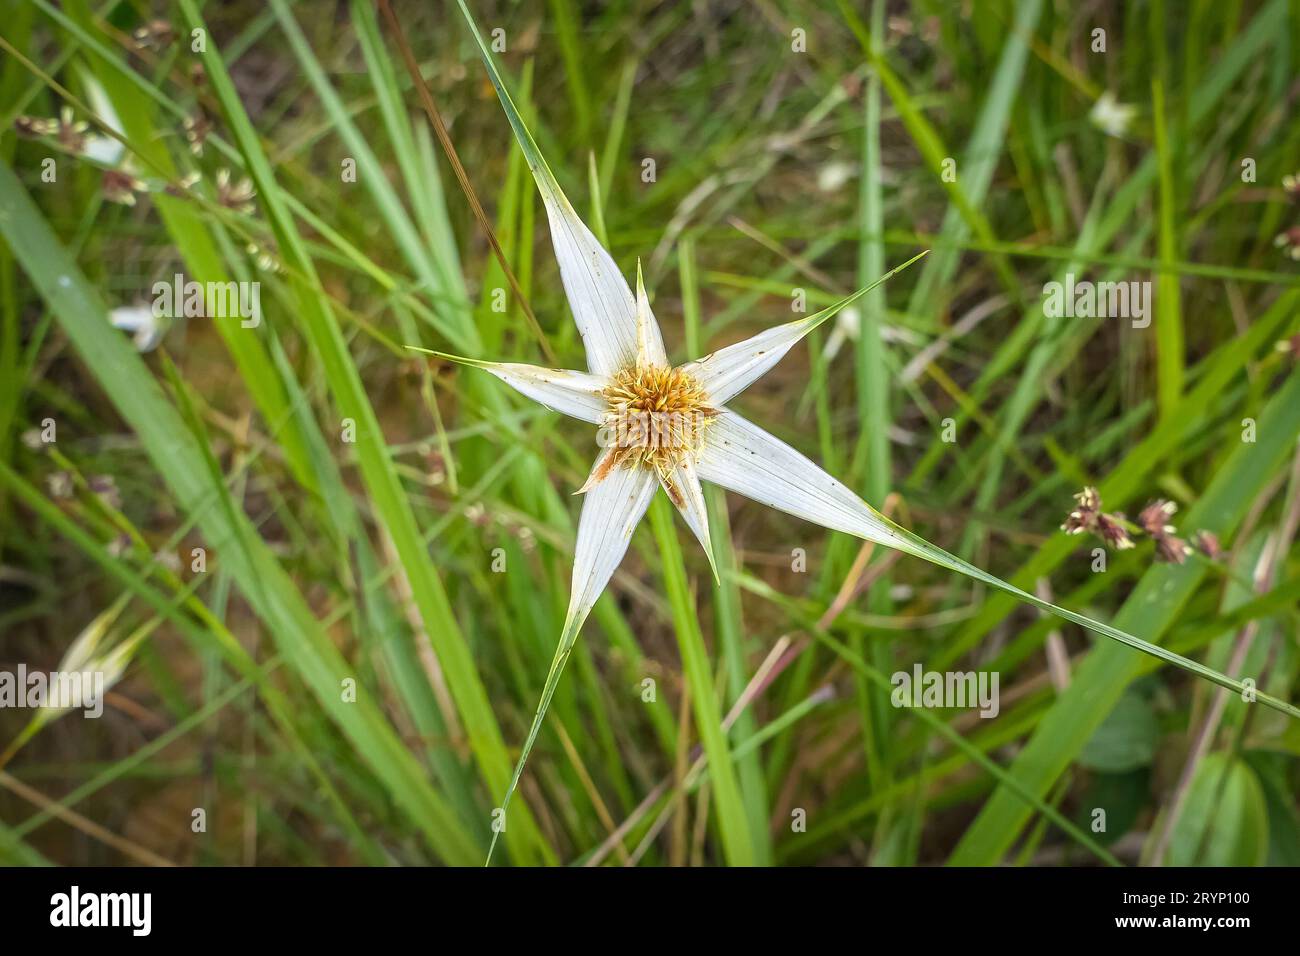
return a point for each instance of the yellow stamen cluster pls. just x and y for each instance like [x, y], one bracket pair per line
[656, 418]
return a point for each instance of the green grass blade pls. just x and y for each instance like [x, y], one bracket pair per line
[729, 808]
[1169, 311]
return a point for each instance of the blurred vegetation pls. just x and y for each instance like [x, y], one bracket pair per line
[348, 675]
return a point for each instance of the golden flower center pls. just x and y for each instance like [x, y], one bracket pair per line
[657, 414]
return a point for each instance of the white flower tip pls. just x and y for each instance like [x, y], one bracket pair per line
[643, 319]
[642, 300]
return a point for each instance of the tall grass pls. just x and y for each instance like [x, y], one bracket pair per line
[389, 541]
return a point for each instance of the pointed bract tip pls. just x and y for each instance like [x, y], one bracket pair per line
[448, 357]
[643, 320]
[818, 318]
[713, 566]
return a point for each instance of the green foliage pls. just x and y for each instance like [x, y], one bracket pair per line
[428, 560]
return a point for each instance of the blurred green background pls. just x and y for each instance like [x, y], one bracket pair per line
[331, 576]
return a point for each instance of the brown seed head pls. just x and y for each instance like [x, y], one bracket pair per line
[1154, 518]
[1113, 532]
[1207, 542]
[1084, 517]
[657, 415]
[1171, 549]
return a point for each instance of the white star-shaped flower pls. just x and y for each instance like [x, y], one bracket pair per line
[663, 426]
